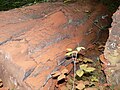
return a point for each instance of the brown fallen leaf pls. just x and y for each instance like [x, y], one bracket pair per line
[63, 87]
[90, 47]
[104, 60]
[104, 66]
[106, 84]
[101, 47]
[86, 82]
[69, 67]
[80, 85]
[90, 88]
[64, 71]
[5, 88]
[62, 68]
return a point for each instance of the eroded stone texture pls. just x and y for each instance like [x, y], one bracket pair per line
[112, 51]
[33, 40]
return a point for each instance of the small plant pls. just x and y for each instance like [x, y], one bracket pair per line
[84, 76]
[84, 68]
[74, 55]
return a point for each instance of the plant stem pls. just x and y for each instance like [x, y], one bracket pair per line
[74, 69]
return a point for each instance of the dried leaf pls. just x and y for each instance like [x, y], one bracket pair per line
[86, 82]
[56, 73]
[4, 88]
[64, 71]
[106, 84]
[62, 76]
[69, 86]
[69, 67]
[80, 48]
[89, 69]
[91, 88]
[92, 84]
[80, 86]
[80, 73]
[63, 87]
[103, 60]
[69, 79]
[101, 47]
[1, 84]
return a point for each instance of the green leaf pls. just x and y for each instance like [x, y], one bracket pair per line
[80, 48]
[80, 73]
[89, 69]
[75, 52]
[94, 79]
[69, 49]
[68, 54]
[83, 66]
[79, 59]
[65, 1]
[87, 60]
[62, 76]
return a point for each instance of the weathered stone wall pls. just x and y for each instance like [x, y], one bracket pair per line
[112, 51]
[33, 40]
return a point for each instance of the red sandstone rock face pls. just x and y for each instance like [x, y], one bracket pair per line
[34, 39]
[112, 50]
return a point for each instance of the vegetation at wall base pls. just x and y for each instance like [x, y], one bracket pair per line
[11, 4]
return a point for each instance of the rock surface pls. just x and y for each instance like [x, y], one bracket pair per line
[33, 40]
[112, 51]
